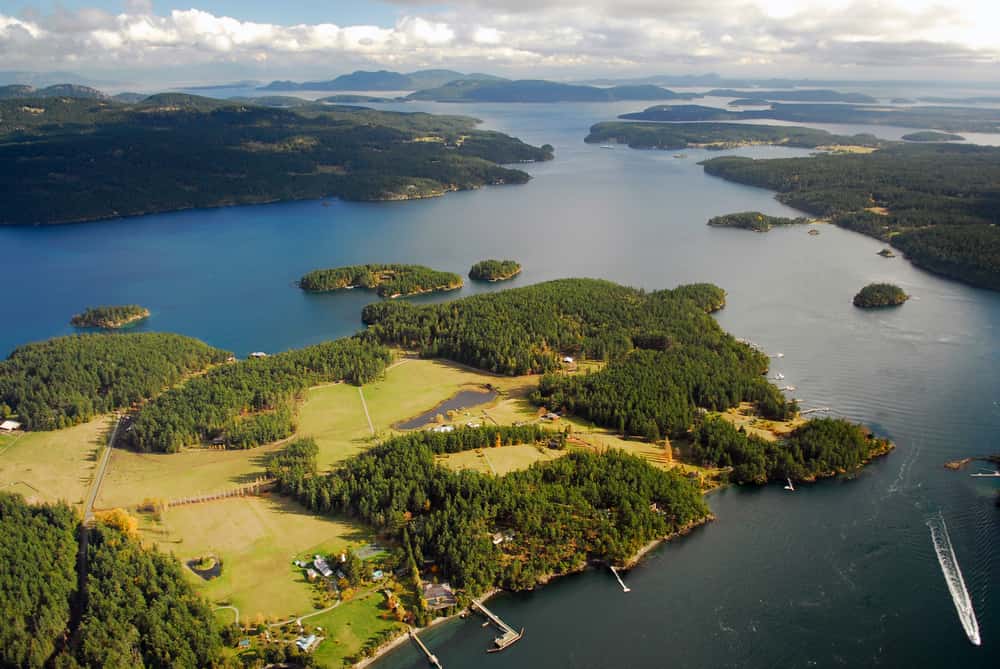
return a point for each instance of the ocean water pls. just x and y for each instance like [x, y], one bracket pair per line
[840, 573]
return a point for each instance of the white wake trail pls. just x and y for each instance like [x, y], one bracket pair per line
[953, 577]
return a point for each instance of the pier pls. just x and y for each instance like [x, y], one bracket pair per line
[431, 657]
[509, 635]
[625, 588]
[816, 410]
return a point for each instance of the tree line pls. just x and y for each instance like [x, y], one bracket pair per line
[251, 402]
[558, 514]
[68, 380]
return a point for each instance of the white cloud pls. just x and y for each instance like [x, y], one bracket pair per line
[559, 37]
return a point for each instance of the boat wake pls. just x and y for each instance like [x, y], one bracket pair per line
[953, 577]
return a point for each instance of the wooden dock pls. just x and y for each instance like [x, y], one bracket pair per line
[431, 657]
[509, 635]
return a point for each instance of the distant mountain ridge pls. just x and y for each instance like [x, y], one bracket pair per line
[382, 80]
[15, 91]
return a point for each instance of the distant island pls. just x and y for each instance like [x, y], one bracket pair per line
[390, 280]
[717, 136]
[876, 295]
[494, 270]
[933, 136]
[82, 160]
[951, 119]
[537, 90]
[753, 220]
[110, 317]
[800, 95]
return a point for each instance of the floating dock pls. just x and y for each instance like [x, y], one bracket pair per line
[431, 657]
[509, 635]
[625, 588]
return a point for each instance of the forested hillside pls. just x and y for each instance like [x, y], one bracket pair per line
[251, 402]
[673, 136]
[64, 160]
[69, 380]
[938, 203]
[559, 513]
[137, 610]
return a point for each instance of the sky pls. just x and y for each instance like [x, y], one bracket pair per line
[212, 41]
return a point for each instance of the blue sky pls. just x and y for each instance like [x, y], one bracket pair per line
[200, 41]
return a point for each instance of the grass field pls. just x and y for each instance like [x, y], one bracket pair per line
[52, 466]
[501, 460]
[132, 477]
[771, 430]
[348, 626]
[256, 538]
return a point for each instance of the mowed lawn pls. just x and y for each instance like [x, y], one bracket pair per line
[501, 460]
[52, 466]
[349, 626]
[256, 538]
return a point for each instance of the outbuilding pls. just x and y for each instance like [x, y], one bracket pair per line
[10, 425]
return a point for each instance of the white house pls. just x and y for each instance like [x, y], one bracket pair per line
[10, 425]
[568, 360]
[322, 567]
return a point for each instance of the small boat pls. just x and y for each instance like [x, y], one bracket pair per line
[607, 146]
[779, 376]
[789, 388]
[814, 232]
[985, 474]
[779, 355]
[680, 155]
[789, 486]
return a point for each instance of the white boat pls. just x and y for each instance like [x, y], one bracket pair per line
[779, 355]
[985, 474]
[779, 376]
[790, 486]
[607, 146]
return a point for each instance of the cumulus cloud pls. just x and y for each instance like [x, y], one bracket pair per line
[567, 37]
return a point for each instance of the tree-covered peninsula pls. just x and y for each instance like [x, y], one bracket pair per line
[110, 317]
[494, 270]
[65, 160]
[876, 295]
[819, 448]
[555, 516]
[935, 202]
[69, 380]
[673, 136]
[753, 220]
[387, 280]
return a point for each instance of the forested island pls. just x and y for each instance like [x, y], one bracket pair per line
[66, 160]
[69, 380]
[537, 90]
[932, 136]
[494, 270]
[935, 202]
[673, 136]
[753, 220]
[950, 119]
[877, 295]
[110, 317]
[387, 280]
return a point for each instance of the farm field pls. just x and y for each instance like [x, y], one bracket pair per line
[349, 626]
[501, 460]
[52, 466]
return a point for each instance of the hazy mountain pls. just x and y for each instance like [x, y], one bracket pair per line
[56, 91]
[536, 90]
[382, 80]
